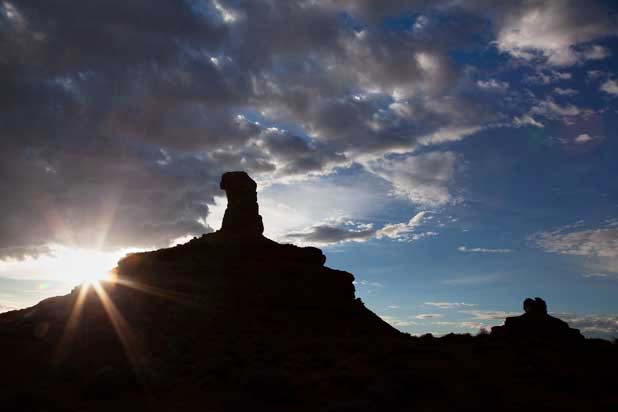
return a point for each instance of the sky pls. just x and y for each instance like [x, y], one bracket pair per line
[455, 156]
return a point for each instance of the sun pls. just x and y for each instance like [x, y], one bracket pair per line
[76, 266]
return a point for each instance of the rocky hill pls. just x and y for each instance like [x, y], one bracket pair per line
[235, 321]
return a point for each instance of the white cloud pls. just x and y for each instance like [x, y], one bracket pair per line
[482, 250]
[493, 84]
[610, 87]
[448, 134]
[526, 120]
[595, 52]
[551, 30]
[363, 282]
[424, 179]
[583, 138]
[397, 322]
[598, 275]
[449, 305]
[424, 316]
[600, 326]
[551, 109]
[489, 314]
[593, 243]
[346, 230]
[483, 319]
[565, 92]
[548, 76]
[399, 230]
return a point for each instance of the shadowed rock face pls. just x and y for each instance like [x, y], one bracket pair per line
[536, 323]
[242, 216]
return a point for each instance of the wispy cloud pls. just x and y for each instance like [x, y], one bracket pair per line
[482, 250]
[472, 279]
[489, 314]
[397, 322]
[610, 87]
[399, 230]
[583, 138]
[345, 230]
[601, 242]
[565, 92]
[363, 282]
[424, 316]
[592, 325]
[598, 275]
[449, 305]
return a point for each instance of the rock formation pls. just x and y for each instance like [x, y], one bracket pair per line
[242, 216]
[536, 323]
[233, 321]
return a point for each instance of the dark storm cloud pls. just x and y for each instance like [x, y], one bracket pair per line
[118, 117]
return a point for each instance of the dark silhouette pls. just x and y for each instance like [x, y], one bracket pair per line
[242, 213]
[234, 321]
[537, 324]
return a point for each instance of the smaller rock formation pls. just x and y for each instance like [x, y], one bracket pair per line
[242, 216]
[536, 323]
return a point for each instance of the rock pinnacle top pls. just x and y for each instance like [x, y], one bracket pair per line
[242, 216]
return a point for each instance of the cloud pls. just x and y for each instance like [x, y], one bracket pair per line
[119, 141]
[363, 282]
[449, 305]
[397, 322]
[597, 275]
[553, 110]
[325, 234]
[610, 87]
[493, 84]
[565, 92]
[526, 120]
[489, 314]
[598, 326]
[601, 242]
[482, 250]
[347, 231]
[548, 76]
[424, 179]
[425, 316]
[556, 33]
[400, 230]
[480, 319]
[583, 138]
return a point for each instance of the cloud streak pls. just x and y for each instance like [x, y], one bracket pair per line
[466, 249]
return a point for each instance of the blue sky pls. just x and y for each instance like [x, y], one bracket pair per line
[457, 157]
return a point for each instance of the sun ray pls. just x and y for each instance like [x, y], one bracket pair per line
[71, 325]
[123, 330]
[176, 297]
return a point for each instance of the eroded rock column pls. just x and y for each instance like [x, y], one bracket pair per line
[242, 213]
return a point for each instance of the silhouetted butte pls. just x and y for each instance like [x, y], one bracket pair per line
[536, 323]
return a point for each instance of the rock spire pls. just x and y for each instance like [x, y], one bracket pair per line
[242, 216]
